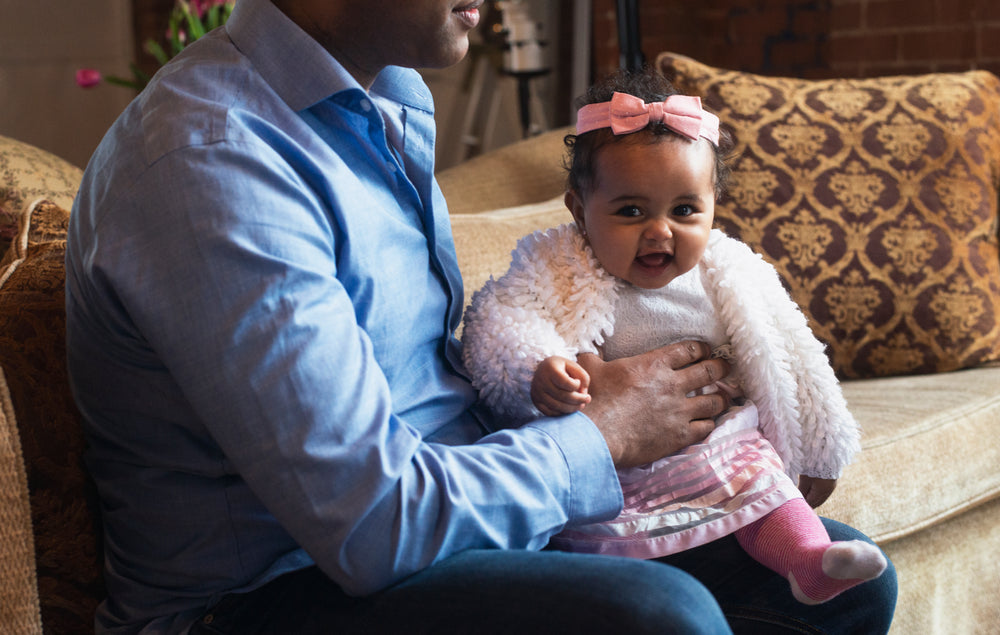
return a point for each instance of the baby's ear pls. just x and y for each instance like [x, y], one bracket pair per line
[574, 203]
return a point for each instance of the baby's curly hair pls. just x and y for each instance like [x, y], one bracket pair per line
[649, 86]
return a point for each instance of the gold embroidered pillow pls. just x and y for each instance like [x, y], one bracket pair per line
[876, 200]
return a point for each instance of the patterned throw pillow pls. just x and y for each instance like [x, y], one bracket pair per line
[33, 359]
[876, 200]
[27, 173]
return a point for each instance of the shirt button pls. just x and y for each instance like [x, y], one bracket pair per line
[366, 105]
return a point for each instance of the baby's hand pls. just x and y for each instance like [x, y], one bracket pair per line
[559, 387]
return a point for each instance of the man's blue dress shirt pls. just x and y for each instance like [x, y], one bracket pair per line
[261, 298]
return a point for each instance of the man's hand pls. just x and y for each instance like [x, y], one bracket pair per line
[559, 387]
[640, 404]
[816, 490]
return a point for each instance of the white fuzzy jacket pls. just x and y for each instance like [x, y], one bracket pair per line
[556, 299]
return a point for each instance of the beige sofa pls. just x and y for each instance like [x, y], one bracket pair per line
[925, 485]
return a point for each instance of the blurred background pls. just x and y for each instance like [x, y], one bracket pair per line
[530, 59]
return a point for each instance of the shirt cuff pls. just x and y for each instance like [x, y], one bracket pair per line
[595, 493]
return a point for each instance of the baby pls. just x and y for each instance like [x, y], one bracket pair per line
[639, 268]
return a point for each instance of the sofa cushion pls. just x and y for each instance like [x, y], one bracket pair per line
[32, 356]
[927, 451]
[484, 241]
[516, 174]
[27, 173]
[877, 202]
[18, 584]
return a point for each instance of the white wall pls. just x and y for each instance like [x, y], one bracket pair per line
[42, 43]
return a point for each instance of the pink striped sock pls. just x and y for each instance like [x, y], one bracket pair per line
[792, 541]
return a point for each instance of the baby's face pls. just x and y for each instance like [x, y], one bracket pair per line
[650, 212]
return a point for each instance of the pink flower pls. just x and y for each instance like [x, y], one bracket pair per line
[88, 77]
[188, 20]
[201, 6]
[204, 5]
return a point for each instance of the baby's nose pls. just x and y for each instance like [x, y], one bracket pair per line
[658, 229]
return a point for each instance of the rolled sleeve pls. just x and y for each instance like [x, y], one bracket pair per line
[593, 488]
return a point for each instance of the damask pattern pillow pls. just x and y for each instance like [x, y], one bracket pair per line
[33, 359]
[27, 173]
[876, 200]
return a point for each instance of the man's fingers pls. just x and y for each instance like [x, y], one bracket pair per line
[684, 354]
[700, 429]
[641, 404]
[701, 374]
[708, 407]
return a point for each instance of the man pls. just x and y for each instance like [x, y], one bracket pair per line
[261, 296]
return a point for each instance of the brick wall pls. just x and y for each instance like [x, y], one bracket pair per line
[879, 37]
[813, 38]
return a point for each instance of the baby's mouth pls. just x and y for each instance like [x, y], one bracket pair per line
[653, 260]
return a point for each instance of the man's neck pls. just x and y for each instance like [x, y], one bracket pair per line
[311, 17]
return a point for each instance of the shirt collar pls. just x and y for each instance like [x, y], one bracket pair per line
[300, 70]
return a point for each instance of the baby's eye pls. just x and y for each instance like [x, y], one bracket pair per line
[630, 211]
[684, 210]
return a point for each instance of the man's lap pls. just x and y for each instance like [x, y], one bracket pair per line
[522, 591]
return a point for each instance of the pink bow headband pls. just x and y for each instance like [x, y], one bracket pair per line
[627, 113]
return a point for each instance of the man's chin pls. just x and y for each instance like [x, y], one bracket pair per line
[449, 57]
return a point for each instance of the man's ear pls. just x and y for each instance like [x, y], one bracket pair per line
[574, 203]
